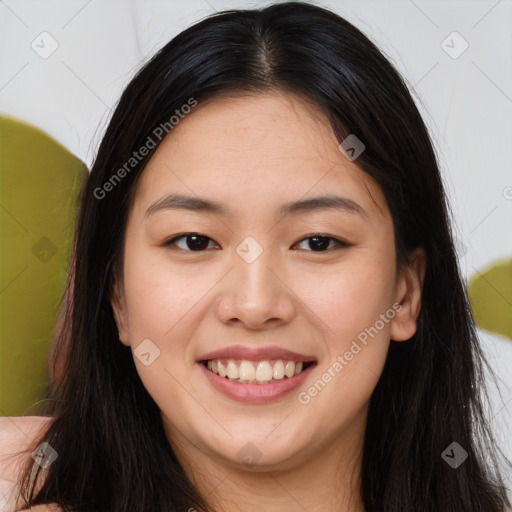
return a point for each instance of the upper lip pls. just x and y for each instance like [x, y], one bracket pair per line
[255, 354]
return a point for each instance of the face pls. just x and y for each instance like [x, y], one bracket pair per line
[294, 295]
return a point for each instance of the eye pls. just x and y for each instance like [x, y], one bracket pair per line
[320, 242]
[197, 242]
[193, 241]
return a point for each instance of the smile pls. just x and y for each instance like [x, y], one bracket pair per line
[256, 372]
[252, 391]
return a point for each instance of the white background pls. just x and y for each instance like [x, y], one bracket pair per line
[466, 101]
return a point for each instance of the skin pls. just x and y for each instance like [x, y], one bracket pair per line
[16, 434]
[253, 153]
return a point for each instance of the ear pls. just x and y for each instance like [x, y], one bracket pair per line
[408, 295]
[117, 299]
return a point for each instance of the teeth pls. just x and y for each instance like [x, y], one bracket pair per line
[255, 372]
[278, 372]
[233, 370]
[247, 371]
[289, 369]
[222, 369]
[264, 372]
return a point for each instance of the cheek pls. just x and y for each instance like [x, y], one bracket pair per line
[159, 297]
[356, 343]
[162, 306]
[351, 304]
[348, 299]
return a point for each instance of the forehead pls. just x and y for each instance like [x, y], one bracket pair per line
[252, 150]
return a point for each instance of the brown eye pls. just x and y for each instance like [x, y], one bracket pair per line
[193, 242]
[320, 243]
[196, 242]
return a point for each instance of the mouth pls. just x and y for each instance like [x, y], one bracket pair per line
[267, 371]
[256, 375]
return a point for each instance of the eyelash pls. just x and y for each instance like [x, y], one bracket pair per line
[339, 244]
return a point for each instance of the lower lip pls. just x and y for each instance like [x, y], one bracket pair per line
[256, 393]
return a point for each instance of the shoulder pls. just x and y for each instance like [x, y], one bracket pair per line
[18, 434]
[17, 425]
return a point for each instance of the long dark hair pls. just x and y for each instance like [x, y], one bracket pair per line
[113, 452]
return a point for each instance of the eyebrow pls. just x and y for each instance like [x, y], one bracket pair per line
[183, 202]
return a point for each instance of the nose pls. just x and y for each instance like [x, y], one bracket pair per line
[256, 295]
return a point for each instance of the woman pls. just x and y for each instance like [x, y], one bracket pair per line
[267, 312]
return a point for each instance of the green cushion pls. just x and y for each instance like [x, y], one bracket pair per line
[39, 185]
[490, 292]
